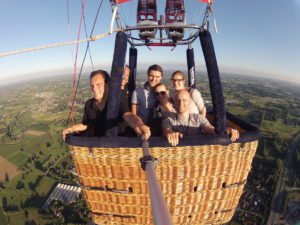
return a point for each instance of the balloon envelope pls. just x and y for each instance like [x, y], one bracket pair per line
[207, 1]
[121, 1]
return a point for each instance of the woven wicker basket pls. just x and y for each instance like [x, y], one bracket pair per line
[201, 184]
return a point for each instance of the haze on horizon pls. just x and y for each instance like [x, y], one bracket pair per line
[249, 40]
[142, 69]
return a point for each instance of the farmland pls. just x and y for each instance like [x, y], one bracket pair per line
[34, 158]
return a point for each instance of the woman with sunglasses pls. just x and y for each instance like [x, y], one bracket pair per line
[197, 105]
[161, 110]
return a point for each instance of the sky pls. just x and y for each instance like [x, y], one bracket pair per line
[260, 38]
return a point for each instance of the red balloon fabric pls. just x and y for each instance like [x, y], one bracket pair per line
[121, 1]
[207, 1]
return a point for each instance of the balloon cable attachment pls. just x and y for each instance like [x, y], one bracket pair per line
[205, 23]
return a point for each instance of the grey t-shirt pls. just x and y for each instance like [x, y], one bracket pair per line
[192, 125]
[145, 99]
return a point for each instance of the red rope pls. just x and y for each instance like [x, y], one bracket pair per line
[75, 64]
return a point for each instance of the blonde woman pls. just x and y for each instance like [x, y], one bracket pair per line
[197, 104]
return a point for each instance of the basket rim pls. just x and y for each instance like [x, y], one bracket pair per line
[252, 134]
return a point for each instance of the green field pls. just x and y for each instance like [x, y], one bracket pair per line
[8, 149]
[40, 127]
[43, 158]
[18, 158]
[45, 185]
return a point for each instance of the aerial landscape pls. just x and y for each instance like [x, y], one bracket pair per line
[49, 49]
[34, 159]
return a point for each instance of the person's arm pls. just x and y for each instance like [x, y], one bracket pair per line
[209, 129]
[171, 136]
[74, 129]
[235, 134]
[134, 102]
[197, 98]
[203, 112]
[134, 108]
[137, 124]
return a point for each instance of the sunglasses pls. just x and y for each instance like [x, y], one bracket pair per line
[163, 93]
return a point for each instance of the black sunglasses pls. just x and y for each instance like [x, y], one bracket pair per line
[163, 93]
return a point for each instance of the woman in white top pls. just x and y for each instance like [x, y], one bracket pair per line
[178, 83]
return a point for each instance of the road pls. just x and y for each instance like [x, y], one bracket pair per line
[283, 180]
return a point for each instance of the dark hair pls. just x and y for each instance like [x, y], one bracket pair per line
[160, 84]
[103, 73]
[156, 67]
[178, 72]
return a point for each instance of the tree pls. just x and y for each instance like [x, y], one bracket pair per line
[31, 186]
[26, 213]
[64, 164]
[32, 222]
[12, 131]
[6, 177]
[4, 203]
[20, 184]
[20, 123]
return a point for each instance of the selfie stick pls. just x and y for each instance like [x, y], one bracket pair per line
[159, 208]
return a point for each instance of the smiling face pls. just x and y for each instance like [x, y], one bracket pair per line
[178, 81]
[98, 86]
[125, 76]
[154, 77]
[161, 93]
[182, 101]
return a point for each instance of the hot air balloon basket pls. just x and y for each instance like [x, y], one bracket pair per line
[201, 184]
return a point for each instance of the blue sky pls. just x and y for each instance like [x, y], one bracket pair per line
[255, 37]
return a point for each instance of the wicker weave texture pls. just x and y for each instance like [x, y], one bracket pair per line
[201, 184]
